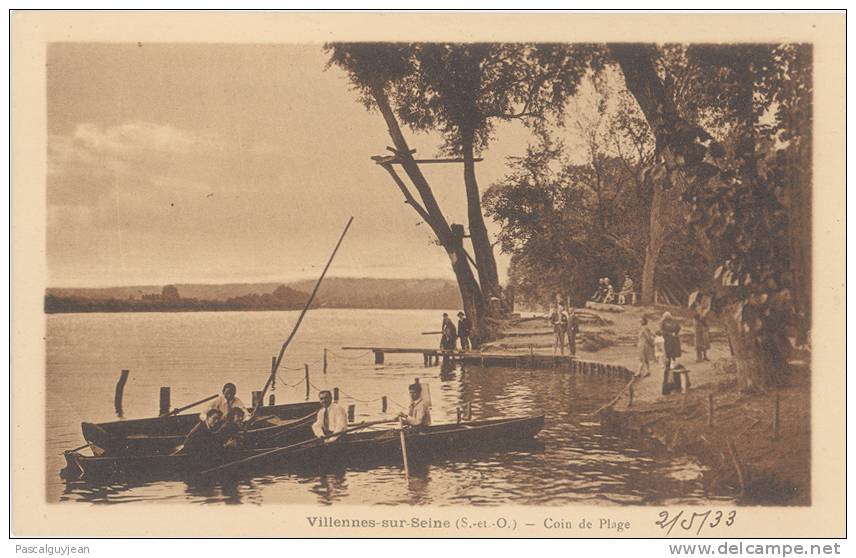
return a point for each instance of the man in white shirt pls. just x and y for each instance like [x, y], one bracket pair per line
[226, 402]
[331, 418]
[418, 415]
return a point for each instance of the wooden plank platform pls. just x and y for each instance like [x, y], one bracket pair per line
[505, 360]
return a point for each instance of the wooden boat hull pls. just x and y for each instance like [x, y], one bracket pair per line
[286, 424]
[361, 449]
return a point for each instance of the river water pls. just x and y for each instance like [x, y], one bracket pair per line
[195, 353]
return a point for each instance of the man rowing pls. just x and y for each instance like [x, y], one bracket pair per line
[225, 402]
[418, 415]
[331, 418]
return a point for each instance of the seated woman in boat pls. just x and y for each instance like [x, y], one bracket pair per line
[331, 418]
[418, 415]
[225, 402]
[231, 431]
[202, 439]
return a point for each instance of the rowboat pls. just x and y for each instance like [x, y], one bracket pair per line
[358, 449]
[274, 425]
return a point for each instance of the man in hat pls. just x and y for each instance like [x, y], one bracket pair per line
[331, 418]
[464, 326]
[450, 335]
[418, 415]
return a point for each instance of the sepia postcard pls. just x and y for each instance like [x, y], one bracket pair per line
[427, 274]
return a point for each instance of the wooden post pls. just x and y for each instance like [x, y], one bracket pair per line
[273, 373]
[352, 411]
[306, 379]
[120, 391]
[378, 356]
[710, 409]
[776, 417]
[738, 466]
[164, 400]
[257, 399]
[272, 400]
[325, 360]
[383, 404]
[469, 411]
[458, 410]
[336, 394]
[630, 395]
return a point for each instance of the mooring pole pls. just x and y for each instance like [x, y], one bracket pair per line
[164, 401]
[776, 417]
[120, 392]
[383, 404]
[273, 373]
[325, 360]
[306, 379]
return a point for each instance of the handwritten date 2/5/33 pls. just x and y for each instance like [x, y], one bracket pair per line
[695, 521]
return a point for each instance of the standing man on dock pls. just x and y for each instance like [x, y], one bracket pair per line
[225, 402]
[464, 331]
[331, 418]
[449, 338]
[418, 415]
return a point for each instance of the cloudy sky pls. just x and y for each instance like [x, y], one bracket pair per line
[228, 163]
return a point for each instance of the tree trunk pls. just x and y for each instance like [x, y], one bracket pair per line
[485, 261]
[754, 365]
[471, 294]
[656, 235]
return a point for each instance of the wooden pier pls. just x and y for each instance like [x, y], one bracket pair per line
[529, 360]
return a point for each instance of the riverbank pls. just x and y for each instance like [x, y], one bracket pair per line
[746, 450]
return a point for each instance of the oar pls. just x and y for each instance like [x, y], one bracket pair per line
[186, 407]
[299, 319]
[294, 446]
[403, 448]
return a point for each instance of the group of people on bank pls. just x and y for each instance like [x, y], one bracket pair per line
[667, 341]
[606, 294]
[222, 424]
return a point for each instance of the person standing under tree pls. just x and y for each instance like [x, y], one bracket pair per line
[450, 335]
[559, 321]
[464, 331]
[646, 348]
[702, 331]
[669, 329]
[573, 327]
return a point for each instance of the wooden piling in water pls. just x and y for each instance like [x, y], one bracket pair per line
[336, 394]
[352, 411]
[272, 400]
[469, 411]
[257, 399]
[120, 392]
[325, 360]
[630, 396]
[459, 413]
[383, 404]
[306, 379]
[164, 401]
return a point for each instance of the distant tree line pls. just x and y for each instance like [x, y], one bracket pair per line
[170, 300]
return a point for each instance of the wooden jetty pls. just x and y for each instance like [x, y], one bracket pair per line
[505, 360]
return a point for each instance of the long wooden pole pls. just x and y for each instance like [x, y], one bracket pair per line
[302, 314]
[194, 404]
[294, 446]
[403, 449]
